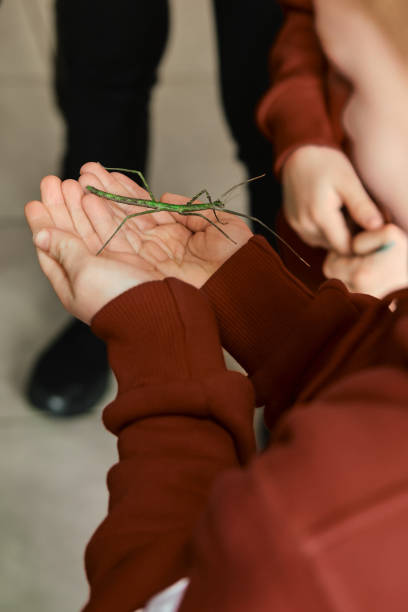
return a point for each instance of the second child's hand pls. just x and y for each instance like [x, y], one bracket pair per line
[378, 265]
[384, 247]
[325, 200]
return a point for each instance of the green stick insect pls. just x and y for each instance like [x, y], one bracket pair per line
[190, 208]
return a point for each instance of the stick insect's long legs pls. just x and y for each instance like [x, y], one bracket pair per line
[210, 201]
[209, 221]
[122, 223]
[193, 199]
[233, 212]
[140, 175]
[217, 217]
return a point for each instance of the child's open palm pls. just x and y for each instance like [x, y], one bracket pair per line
[147, 248]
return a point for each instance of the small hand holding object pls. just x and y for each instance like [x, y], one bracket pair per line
[191, 208]
[184, 247]
[66, 242]
[378, 266]
[70, 226]
[317, 183]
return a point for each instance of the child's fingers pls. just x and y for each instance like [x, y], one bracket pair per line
[368, 242]
[66, 249]
[193, 223]
[91, 168]
[119, 208]
[106, 215]
[360, 206]
[100, 212]
[91, 179]
[73, 194]
[334, 228]
[373, 271]
[57, 277]
[132, 187]
[53, 200]
[105, 219]
[174, 198]
[37, 216]
[114, 182]
[52, 265]
[64, 257]
[341, 267]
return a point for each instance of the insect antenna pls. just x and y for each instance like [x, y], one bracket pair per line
[255, 178]
[233, 212]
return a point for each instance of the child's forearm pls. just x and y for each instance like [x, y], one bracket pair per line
[288, 339]
[181, 419]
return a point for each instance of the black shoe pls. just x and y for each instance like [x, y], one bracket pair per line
[71, 374]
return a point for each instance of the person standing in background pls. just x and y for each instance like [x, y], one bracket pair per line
[106, 66]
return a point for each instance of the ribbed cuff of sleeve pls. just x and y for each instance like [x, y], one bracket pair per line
[256, 301]
[284, 336]
[281, 117]
[159, 331]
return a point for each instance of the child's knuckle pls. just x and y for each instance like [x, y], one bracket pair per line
[392, 232]
[362, 278]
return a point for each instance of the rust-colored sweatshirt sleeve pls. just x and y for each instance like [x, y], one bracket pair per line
[280, 332]
[181, 418]
[318, 522]
[294, 111]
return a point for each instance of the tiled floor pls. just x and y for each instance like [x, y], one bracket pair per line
[52, 473]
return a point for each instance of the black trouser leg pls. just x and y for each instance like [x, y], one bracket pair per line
[105, 68]
[246, 30]
[106, 65]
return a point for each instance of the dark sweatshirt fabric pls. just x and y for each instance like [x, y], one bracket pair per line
[303, 106]
[317, 522]
[306, 98]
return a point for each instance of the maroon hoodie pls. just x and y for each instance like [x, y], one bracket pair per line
[319, 521]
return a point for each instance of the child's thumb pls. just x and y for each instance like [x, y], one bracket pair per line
[366, 243]
[360, 206]
[65, 248]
